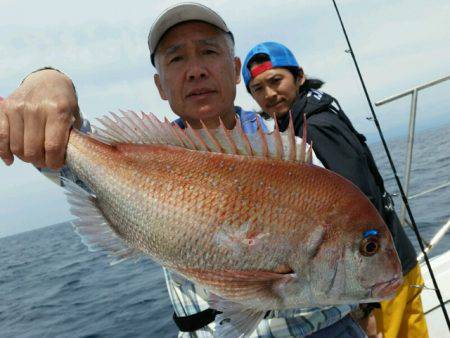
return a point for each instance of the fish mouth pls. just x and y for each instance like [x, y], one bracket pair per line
[387, 288]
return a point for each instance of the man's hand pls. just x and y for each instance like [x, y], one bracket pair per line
[369, 325]
[35, 120]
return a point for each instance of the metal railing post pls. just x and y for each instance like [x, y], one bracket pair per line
[412, 122]
[409, 154]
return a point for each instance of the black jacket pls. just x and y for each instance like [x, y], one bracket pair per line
[343, 150]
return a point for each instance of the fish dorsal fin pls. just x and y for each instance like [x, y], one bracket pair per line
[148, 129]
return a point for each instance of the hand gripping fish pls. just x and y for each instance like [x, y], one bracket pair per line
[247, 216]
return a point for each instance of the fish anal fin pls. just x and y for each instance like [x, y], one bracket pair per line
[234, 320]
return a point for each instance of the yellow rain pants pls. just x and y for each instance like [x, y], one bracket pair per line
[402, 316]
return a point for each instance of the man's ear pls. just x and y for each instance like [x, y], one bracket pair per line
[237, 68]
[301, 78]
[157, 80]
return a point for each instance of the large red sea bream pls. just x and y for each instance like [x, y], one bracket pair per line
[248, 217]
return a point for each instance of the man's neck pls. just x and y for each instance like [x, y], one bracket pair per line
[228, 119]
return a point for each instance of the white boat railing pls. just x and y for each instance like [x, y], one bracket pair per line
[409, 156]
[441, 233]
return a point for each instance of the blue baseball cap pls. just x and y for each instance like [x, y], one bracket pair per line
[279, 56]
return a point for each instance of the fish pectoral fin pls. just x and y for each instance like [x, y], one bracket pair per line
[93, 228]
[235, 320]
[241, 285]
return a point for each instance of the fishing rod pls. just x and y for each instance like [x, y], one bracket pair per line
[404, 198]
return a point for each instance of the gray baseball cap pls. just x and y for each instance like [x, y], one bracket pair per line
[172, 16]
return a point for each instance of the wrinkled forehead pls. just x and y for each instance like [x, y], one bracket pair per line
[197, 32]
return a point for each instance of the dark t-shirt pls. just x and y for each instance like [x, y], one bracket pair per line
[343, 150]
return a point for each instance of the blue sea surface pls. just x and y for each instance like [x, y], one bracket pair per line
[52, 286]
[430, 168]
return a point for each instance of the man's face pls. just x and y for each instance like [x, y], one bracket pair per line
[197, 73]
[275, 90]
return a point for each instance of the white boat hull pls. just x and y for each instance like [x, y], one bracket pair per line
[437, 326]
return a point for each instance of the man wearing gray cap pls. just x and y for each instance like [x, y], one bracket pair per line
[197, 72]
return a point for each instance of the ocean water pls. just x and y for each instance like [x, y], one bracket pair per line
[52, 286]
[430, 168]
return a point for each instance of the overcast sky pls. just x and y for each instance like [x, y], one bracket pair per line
[102, 46]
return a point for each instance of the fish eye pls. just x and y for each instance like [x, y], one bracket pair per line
[369, 246]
